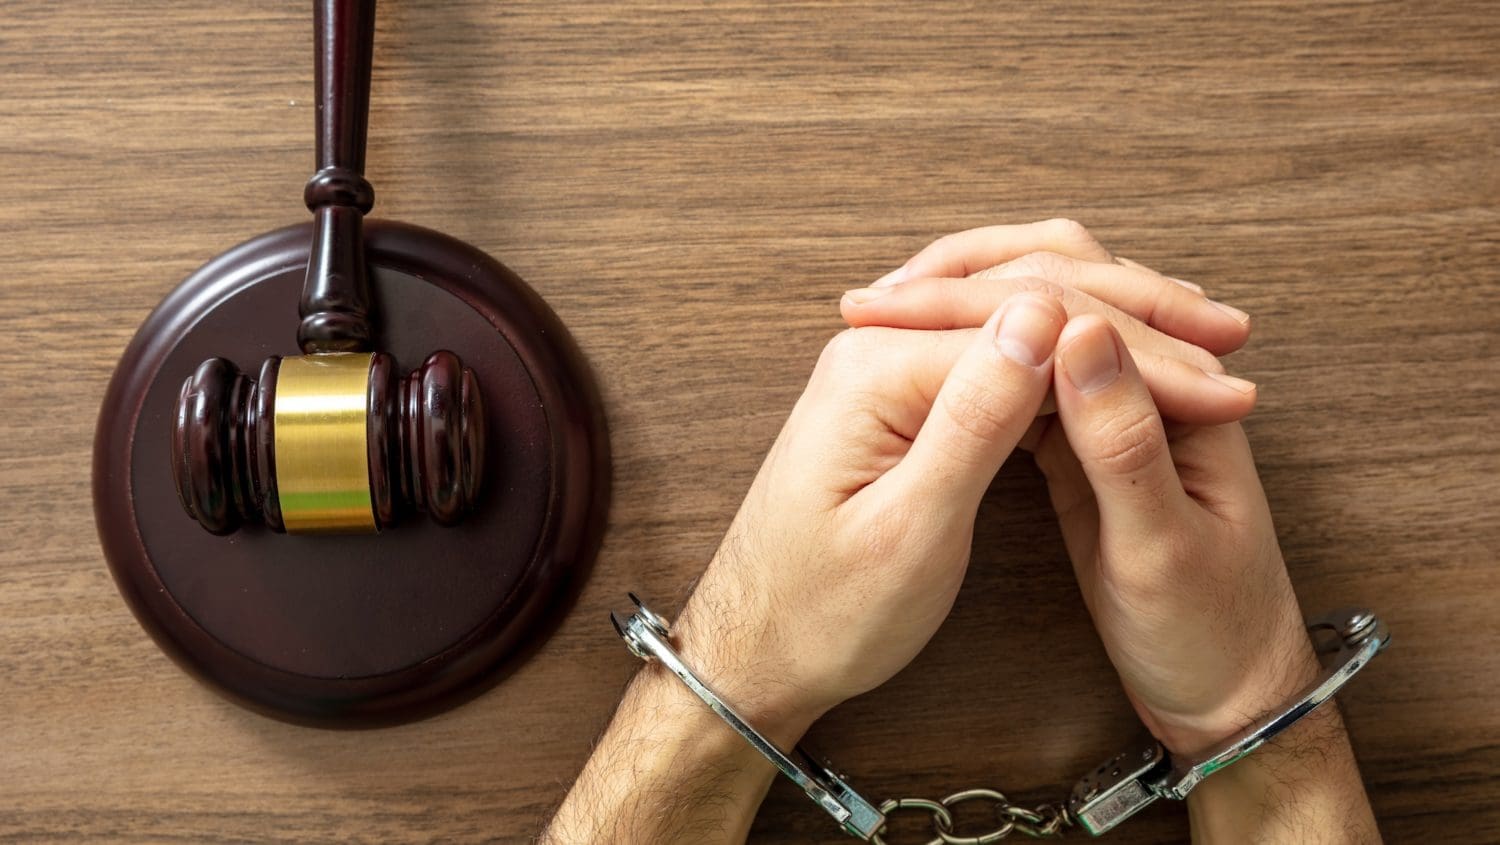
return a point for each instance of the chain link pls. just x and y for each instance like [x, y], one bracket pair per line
[1046, 820]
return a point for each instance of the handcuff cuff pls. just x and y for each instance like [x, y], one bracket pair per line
[1109, 794]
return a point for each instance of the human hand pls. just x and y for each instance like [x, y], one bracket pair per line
[1173, 547]
[843, 560]
[852, 543]
[1175, 553]
[854, 538]
[1172, 329]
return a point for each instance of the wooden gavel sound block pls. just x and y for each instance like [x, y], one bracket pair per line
[372, 530]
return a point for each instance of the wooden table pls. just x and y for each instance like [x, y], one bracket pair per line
[692, 185]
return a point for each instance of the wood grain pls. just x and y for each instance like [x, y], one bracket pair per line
[692, 185]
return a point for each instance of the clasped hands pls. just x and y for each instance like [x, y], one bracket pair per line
[855, 536]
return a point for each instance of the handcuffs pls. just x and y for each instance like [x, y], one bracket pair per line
[1109, 794]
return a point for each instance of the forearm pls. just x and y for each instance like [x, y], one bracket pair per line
[1304, 787]
[668, 770]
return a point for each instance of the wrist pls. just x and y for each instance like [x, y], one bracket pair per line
[665, 770]
[666, 696]
[1304, 784]
[740, 666]
[1281, 675]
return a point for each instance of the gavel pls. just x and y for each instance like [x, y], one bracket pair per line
[336, 439]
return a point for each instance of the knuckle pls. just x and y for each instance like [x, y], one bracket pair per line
[940, 246]
[854, 364]
[1062, 293]
[975, 408]
[1129, 444]
[836, 362]
[1047, 265]
[1033, 283]
[845, 348]
[1070, 231]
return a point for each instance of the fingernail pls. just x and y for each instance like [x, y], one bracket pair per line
[1028, 331]
[1198, 289]
[895, 277]
[1239, 316]
[859, 296]
[1237, 383]
[1091, 360]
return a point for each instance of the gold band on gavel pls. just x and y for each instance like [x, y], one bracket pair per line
[322, 456]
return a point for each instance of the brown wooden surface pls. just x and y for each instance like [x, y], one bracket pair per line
[691, 185]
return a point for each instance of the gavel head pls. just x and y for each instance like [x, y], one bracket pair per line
[336, 442]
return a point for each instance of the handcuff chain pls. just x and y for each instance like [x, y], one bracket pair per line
[1044, 821]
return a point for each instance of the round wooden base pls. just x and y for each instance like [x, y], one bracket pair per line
[359, 630]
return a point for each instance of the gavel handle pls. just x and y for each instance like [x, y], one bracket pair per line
[335, 307]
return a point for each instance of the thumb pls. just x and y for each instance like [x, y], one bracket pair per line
[1115, 430]
[986, 402]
